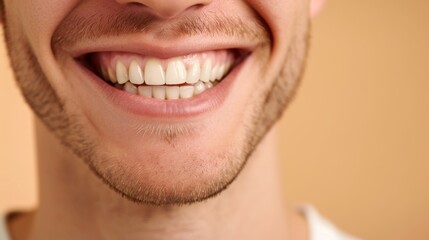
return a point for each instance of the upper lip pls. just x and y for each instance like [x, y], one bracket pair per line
[158, 48]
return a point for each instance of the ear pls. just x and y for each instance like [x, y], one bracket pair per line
[315, 7]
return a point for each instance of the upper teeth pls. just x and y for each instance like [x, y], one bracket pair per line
[152, 72]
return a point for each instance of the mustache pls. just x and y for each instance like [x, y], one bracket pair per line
[74, 29]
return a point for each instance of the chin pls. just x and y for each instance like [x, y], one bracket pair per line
[182, 170]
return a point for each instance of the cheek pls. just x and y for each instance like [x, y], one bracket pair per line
[285, 19]
[280, 15]
[33, 22]
[39, 18]
[36, 20]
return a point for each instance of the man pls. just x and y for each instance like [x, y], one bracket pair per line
[155, 117]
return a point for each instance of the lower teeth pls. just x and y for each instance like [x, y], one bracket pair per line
[167, 92]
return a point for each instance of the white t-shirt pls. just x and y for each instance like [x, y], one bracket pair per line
[319, 227]
[3, 228]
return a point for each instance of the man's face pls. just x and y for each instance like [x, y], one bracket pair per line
[165, 100]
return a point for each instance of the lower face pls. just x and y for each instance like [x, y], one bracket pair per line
[163, 111]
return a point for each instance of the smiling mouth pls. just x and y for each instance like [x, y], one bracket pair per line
[180, 77]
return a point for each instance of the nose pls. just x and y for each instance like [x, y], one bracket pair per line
[167, 8]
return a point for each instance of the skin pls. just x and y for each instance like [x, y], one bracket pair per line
[100, 178]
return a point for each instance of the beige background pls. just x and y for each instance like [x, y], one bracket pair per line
[355, 142]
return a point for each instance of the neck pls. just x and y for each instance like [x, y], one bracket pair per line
[75, 204]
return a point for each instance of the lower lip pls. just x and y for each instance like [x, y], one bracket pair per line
[205, 102]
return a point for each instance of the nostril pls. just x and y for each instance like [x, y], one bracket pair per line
[166, 9]
[198, 6]
[138, 4]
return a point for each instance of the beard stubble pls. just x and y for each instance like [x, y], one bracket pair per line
[71, 131]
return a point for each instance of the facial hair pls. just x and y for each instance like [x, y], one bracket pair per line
[268, 105]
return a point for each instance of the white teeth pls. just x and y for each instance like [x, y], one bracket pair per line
[179, 81]
[199, 88]
[206, 71]
[112, 76]
[176, 72]
[159, 92]
[186, 92]
[135, 73]
[221, 72]
[173, 93]
[129, 87]
[167, 92]
[121, 73]
[194, 73]
[153, 72]
[145, 91]
[215, 72]
[209, 85]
